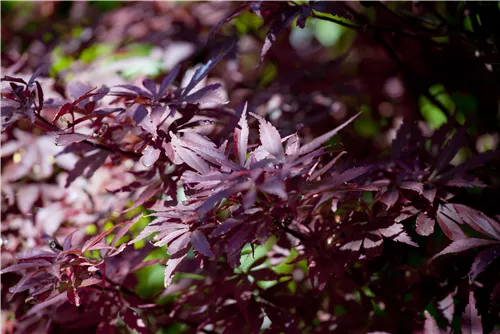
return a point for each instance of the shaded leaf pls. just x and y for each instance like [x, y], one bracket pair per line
[410, 185]
[227, 225]
[448, 218]
[479, 221]
[450, 150]
[315, 143]
[200, 243]
[389, 197]
[167, 81]
[483, 260]
[281, 22]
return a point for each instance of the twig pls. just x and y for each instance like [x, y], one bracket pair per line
[47, 126]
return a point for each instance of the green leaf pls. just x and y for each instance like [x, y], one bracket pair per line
[434, 116]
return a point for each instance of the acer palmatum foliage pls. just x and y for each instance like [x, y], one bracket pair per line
[262, 207]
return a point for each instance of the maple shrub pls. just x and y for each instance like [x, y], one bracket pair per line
[250, 167]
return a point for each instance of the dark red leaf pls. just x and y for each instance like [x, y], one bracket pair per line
[483, 260]
[67, 241]
[430, 194]
[39, 91]
[188, 156]
[95, 240]
[281, 22]
[450, 150]
[200, 243]
[448, 218]
[304, 15]
[203, 70]
[66, 108]
[469, 164]
[207, 95]
[180, 243]
[167, 81]
[227, 225]
[73, 296]
[389, 197]
[134, 321]
[464, 244]
[37, 72]
[411, 185]
[137, 90]
[171, 267]
[26, 265]
[479, 221]
[150, 85]
[314, 144]
[70, 138]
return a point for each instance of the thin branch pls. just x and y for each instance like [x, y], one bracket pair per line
[296, 234]
[377, 29]
[47, 126]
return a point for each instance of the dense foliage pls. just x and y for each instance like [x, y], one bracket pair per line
[248, 167]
